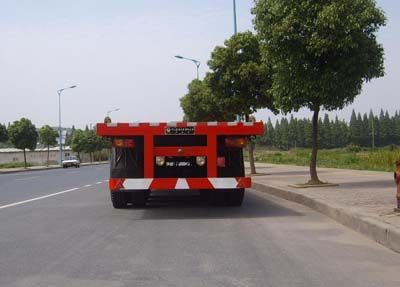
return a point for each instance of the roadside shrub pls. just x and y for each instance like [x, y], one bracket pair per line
[353, 148]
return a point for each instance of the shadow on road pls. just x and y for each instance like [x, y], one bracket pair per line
[192, 207]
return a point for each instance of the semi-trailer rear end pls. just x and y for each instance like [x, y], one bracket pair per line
[203, 156]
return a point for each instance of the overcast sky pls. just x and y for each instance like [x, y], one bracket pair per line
[120, 54]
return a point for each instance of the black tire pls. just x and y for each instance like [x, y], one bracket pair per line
[139, 198]
[118, 199]
[235, 197]
[204, 194]
[217, 197]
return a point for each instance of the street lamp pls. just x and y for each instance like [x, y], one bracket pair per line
[197, 63]
[59, 118]
[109, 112]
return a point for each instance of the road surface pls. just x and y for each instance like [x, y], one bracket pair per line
[58, 228]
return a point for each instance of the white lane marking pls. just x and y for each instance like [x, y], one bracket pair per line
[99, 182]
[87, 185]
[38, 198]
[27, 178]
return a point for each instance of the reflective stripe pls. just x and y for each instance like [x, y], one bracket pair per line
[212, 123]
[232, 123]
[220, 182]
[134, 124]
[112, 125]
[137, 183]
[248, 124]
[182, 184]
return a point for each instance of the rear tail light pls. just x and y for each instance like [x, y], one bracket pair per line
[160, 160]
[200, 160]
[238, 142]
[124, 143]
[116, 184]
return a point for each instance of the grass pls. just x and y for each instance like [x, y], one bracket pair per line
[382, 159]
[14, 165]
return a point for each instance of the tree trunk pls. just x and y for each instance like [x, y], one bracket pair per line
[313, 163]
[24, 159]
[251, 152]
[48, 155]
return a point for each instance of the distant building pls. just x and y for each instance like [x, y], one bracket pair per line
[38, 156]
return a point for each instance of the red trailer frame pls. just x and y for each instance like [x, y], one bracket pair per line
[149, 130]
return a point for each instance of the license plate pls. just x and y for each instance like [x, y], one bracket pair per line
[177, 163]
[179, 131]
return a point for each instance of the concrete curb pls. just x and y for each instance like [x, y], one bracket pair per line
[29, 169]
[380, 232]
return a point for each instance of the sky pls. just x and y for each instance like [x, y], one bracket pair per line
[120, 54]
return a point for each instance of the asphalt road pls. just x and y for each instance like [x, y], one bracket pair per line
[58, 228]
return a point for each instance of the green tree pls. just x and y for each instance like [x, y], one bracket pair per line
[292, 135]
[48, 137]
[321, 53]
[365, 133]
[239, 78]
[3, 133]
[199, 104]
[397, 128]
[69, 136]
[92, 143]
[270, 133]
[77, 142]
[23, 135]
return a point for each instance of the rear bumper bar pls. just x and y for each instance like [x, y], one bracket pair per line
[116, 184]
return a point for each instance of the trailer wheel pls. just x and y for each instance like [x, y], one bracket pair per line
[204, 195]
[217, 197]
[118, 199]
[139, 198]
[235, 197]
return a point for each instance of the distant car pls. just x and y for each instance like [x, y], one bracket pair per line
[71, 161]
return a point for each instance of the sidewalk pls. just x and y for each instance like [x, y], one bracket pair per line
[363, 200]
[36, 168]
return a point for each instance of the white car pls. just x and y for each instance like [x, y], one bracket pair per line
[71, 161]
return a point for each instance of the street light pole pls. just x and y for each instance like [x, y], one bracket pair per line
[109, 112]
[59, 118]
[196, 62]
[234, 17]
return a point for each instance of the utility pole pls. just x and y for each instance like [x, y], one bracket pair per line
[59, 118]
[234, 17]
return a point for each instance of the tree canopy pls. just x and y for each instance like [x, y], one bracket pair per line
[23, 135]
[239, 79]
[48, 136]
[200, 105]
[321, 52]
[3, 133]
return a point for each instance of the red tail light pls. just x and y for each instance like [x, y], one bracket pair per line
[238, 142]
[116, 184]
[124, 143]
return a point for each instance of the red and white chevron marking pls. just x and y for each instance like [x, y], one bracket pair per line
[179, 183]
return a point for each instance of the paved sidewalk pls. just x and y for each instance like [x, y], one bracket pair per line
[363, 200]
[35, 168]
